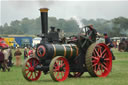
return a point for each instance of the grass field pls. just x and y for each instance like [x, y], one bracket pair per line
[118, 76]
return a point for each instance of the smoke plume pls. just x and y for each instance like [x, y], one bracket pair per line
[78, 20]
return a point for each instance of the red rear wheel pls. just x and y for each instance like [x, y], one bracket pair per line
[28, 69]
[99, 60]
[59, 68]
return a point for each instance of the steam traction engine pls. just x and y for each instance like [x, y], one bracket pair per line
[63, 60]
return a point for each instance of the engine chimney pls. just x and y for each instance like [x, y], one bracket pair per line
[44, 20]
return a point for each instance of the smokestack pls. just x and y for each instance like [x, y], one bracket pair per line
[44, 20]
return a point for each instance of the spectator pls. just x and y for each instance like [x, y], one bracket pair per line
[30, 52]
[5, 52]
[18, 54]
[109, 43]
[10, 57]
[25, 53]
[1, 60]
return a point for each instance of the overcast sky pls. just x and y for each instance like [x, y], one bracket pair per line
[17, 9]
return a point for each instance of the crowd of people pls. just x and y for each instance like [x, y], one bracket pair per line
[6, 55]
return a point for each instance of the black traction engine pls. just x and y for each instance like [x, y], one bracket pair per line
[67, 59]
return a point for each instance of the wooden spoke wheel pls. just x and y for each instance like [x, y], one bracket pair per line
[99, 60]
[75, 74]
[28, 69]
[59, 68]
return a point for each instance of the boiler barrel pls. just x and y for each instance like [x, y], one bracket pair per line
[49, 51]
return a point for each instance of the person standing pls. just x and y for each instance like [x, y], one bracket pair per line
[109, 43]
[10, 57]
[5, 64]
[1, 60]
[30, 52]
[18, 54]
[25, 53]
[92, 33]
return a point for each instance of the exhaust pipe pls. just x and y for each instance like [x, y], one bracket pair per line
[44, 20]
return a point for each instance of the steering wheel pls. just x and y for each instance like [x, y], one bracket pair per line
[85, 34]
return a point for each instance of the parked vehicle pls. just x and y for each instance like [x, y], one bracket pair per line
[24, 41]
[3, 44]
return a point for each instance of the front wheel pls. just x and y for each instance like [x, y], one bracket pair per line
[28, 69]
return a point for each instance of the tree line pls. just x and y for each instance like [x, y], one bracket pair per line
[116, 27]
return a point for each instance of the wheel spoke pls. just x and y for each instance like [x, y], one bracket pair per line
[104, 51]
[27, 73]
[94, 61]
[97, 52]
[30, 75]
[98, 68]
[62, 64]
[107, 59]
[30, 63]
[35, 74]
[94, 53]
[57, 62]
[62, 74]
[94, 64]
[57, 75]
[26, 69]
[35, 64]
[104, 67]
[104, 63]
[104, 55]
[95, 58]
[27, 65]
[101, 69]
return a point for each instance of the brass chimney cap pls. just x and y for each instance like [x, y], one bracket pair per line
[44, 9]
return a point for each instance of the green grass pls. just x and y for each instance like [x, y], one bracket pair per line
[118, 76]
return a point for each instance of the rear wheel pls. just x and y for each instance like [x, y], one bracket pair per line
[98, 60]
[59, 68]
[28, 69]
